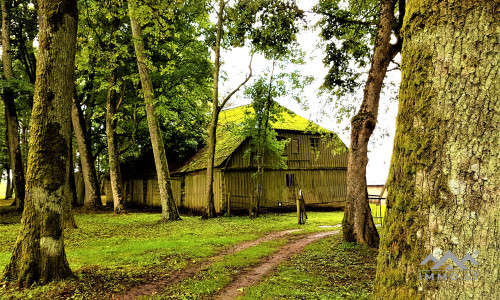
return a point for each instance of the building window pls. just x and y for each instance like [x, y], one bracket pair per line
[290, 180]
[315, 144]
[295, 146]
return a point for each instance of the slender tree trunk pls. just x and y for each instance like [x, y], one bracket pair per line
[115, 176]
[11, 121]
[169, 208]
[92, 199]
[444, 178]
[358, 225]
[212, 129]
[69, 196]
[8, 188]
[38, 254]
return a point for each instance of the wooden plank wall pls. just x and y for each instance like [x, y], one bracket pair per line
[305, 158]
[318, 186]
[195, 190]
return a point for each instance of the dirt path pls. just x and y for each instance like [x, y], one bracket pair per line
[175, 277]
[236, 288]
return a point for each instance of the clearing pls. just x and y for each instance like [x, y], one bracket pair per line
[134, 255]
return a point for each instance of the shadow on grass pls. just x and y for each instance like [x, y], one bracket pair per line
[9, 215]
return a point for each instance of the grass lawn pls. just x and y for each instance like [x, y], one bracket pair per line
[109, 252]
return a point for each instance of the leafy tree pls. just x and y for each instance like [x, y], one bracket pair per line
[443, 183]
[271, 28]
[179, 67]
[349, 33]
[11, 120]
[265, 150]
[38, 254]
[169, 208]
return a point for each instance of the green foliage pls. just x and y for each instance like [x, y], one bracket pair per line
[348, 30]
[270, 26]
[257, 126]
[179, 64]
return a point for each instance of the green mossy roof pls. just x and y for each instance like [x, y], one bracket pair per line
[229, 136]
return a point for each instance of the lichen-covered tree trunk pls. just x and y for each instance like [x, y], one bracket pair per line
[92, 199]
[444, 182]
[169, 208]
[115, 176]
[38, 254]
[358, 225]
[11, 121]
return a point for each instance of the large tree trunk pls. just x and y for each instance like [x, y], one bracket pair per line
[115, 176]
[444, 182]
[38, 254]
[169, 208]
[92, 199]
[11, 121]
[358, 225]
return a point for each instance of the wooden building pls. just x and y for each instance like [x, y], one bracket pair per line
[316, 165]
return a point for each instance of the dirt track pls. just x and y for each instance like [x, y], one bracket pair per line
[175, 277]
[243, 281]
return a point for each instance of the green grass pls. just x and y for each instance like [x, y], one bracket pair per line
[328, 269]
[109, 252]
[221, 273]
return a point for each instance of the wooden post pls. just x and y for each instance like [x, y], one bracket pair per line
[251, 205]
[301, 209]
[228, 204]
[298, 210]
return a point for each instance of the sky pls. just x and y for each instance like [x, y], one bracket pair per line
[319, 109]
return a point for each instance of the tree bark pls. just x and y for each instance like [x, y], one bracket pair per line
[115, 176]
[358, 225]
[444, 184]
[169, 208]
[11, 121]
[38, 254]
[92, 199]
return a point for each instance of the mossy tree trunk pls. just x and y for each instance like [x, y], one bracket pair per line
[11, 122]
[169, 208]
[444, 182]
[115, 176]
[358, 225]
[92, 199]
[38, 254]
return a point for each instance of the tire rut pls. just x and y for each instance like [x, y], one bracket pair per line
[177, 276]
[249, 278]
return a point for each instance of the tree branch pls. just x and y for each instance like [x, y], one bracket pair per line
[346, 21]
[242, 84]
